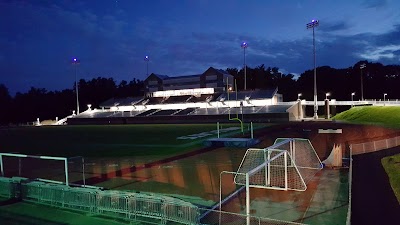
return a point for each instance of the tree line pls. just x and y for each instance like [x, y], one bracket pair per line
[340, 83]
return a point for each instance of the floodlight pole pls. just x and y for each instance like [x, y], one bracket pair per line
[362, 66]
[75, 62]
[146, 58]
[244, 45]
[313, 24]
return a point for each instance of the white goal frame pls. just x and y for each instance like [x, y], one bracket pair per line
[35, 157]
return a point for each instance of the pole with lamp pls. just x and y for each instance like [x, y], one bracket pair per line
[327, 107]
[300, 107]
[76, 62]
[352, 98]
[314, 23]
[362, 66]
[146, 59]
[244, 45]
[384, 98]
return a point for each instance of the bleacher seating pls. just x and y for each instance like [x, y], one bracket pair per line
[147, 112]
[185, 111]
[125, 113]
[167, 112]
[176, 99]
[209, 111]
[155, 101]
[157, 109]
[96, 114]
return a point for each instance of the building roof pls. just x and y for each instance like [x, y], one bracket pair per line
[166, 77]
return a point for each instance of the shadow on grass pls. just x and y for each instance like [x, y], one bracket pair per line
[12, 218]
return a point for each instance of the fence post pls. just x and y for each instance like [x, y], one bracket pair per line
[1, 165]
[248, 199]
[218, 128]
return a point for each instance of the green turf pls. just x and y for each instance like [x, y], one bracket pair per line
[382, 115]
[23, 213]
[392, 168]
[105, 140]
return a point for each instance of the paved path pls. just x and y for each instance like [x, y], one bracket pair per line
[373, 199]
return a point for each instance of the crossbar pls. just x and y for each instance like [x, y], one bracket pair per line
[35, 157]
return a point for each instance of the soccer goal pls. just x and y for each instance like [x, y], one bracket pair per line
[46, 168]
[289, 164]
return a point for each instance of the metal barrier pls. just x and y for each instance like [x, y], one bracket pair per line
[149, 208]
[7, 187]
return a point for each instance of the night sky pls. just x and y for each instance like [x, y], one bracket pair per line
[38, 38]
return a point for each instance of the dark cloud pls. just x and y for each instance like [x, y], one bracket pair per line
[36, 47]
[334, 26]
[374, 3]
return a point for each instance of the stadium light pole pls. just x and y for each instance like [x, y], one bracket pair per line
[314, 23]
[244, 45]
[146, 58]
[362, 66]
[76, 62]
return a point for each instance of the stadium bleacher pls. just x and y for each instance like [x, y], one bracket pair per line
[186, 111]
[147, 112]
[186, 108]
[166, 112]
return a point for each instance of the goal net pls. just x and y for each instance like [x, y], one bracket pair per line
[46, 168]
[287, 165]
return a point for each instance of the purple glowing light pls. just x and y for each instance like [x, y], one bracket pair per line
[244, 45]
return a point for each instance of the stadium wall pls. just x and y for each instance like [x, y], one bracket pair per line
[181, 119]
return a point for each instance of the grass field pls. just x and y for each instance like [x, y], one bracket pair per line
[381, 115]
[107, 141]
[392, 168]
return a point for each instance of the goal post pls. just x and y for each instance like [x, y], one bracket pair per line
[17, 162]
[287, 165]
[278, 172]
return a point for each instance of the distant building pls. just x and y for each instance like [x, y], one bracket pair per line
[211, 78]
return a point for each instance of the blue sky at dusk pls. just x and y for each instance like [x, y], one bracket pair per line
[38, 38]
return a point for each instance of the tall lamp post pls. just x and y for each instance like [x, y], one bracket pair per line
[146, 58]
[76, 62]
[352, 98]
[384, 98]
[362, 66]
[298, 96]
[313, 24]
[244, 45]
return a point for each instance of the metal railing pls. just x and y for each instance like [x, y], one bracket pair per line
[141, 207]
[374, 146]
